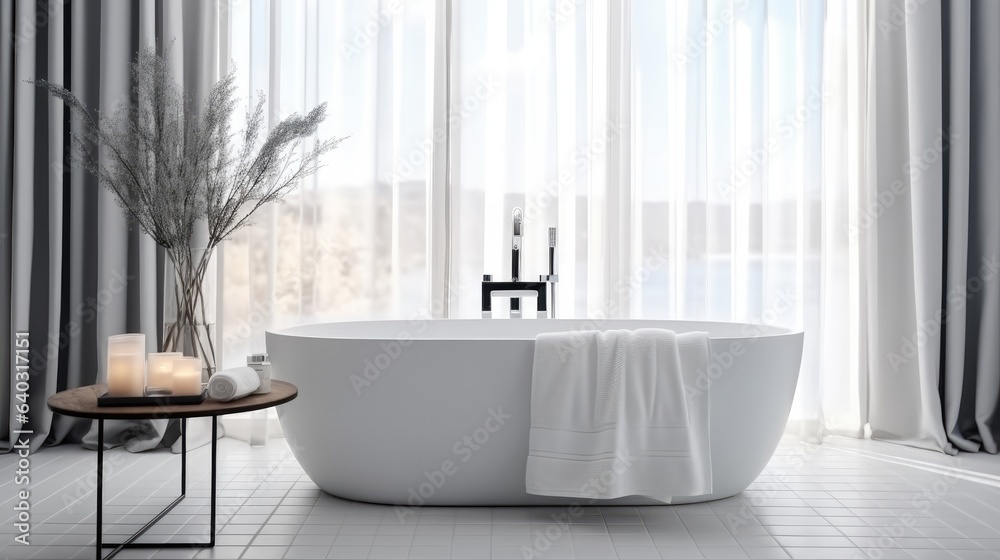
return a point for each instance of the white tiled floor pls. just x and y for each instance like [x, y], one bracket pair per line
[811, 502]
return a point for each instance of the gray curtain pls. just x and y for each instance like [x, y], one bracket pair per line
[970, 361]
[72, 271]
[934, 177]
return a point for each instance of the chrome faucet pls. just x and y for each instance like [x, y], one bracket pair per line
[515, 288]
[516, 226]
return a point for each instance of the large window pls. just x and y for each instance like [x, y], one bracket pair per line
[693, 154]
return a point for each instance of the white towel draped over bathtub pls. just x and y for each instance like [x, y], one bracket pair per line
[610, 416]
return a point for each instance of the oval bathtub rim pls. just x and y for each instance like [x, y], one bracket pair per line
[763, 331]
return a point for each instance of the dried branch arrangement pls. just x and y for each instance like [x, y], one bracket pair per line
[171, 168]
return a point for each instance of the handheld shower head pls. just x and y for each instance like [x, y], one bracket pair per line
[517, 230]
[517, 221]
[552, 277]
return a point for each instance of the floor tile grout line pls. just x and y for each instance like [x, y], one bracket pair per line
[35, 467]
[893, 539]
[964, 474]
[145, 458]
[270, 515]
[826, 483]
[53, 477]
[139, 459]
[175, 480]
[784, 548]
[78, 481]
[948, 525]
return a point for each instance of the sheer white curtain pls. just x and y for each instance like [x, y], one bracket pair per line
[350, 242]
[698, 157]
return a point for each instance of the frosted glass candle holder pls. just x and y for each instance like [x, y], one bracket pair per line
[160, 369]
[126, 365]
[187, 376]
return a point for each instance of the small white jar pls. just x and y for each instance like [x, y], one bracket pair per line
[262, 366]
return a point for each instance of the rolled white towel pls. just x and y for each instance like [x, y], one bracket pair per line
[234, 383]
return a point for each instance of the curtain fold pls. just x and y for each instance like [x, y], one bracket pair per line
[971, 358]
[7, 18]
[71, 269]
[906, 241]
[934, 174]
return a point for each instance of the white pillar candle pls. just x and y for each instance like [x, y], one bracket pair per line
[187, 376]
[126, 371]
[161, 369]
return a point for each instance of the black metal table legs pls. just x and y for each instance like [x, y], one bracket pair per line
[130, 542]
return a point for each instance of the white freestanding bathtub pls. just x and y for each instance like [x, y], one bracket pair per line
[436, 412]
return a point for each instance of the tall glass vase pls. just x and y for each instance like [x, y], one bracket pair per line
[189, 306]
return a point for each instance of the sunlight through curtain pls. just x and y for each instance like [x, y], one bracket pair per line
[699, 159]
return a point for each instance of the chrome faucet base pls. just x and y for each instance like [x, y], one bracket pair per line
[537, 289]
[516, 289]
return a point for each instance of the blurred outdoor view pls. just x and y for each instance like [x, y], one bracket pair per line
[351, 242]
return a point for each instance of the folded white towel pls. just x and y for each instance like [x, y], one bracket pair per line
[231, 384]
[610, 416]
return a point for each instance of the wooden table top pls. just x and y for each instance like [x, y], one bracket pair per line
[82, 402]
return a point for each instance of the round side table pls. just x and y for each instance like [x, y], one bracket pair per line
[82, 402]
